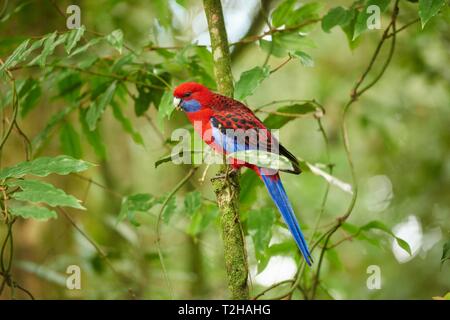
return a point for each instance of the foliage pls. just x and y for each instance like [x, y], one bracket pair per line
[104, 93]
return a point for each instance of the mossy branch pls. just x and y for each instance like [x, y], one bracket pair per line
[227, 189]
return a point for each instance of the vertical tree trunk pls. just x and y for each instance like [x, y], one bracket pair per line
[227, 190]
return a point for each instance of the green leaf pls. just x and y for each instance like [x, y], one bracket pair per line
[115, 38]
[363, 16]
[143, 100]
[445, 252]
[29, 95]
[83, 48]
[337, 16]
[249, 81]
[132, 204]
[282, 13]
[201, 219]
[94, 138]
[70, 141]
[428, 9]
[263, 159]
[42, 192]
[169, 210]
[44, 166]
[73, 38]
[305, 59]
[381, 226]
[35, 45]
[127, 126]
[192, 202]
[97, 108]
[147, 95]
[33, 212]
[165, 108]
[69, 84]
[50, 44]
[259, 223]
[276, 121]
[16, 57]
[249, 183]
[445, 297]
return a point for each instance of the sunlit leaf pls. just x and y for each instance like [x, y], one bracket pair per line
[115, 38]
[33, 212]
[16, 57]
[73, 38]
[86, 46]
[42, 192]
[44, 166]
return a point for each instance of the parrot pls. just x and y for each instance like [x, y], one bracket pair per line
[214, 116]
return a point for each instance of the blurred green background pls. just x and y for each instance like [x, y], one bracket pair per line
[399, 135]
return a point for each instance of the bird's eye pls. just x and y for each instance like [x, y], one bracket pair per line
[187, 94]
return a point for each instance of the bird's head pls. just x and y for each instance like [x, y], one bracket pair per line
[191, 96]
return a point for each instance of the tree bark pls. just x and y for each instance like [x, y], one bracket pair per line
[227, 189]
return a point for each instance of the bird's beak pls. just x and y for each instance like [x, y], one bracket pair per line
[176, 103]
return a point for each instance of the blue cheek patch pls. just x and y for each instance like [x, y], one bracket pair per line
[191, 105]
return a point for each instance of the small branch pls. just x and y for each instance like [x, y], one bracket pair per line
[281, 65]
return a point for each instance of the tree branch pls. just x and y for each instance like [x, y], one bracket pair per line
[227, 189]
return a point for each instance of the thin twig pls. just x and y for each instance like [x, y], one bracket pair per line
[158, 224]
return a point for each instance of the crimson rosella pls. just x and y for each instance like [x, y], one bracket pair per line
[215, 117]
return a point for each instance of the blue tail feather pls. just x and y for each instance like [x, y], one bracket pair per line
[279, 196]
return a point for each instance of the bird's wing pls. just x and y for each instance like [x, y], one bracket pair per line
[248, 132]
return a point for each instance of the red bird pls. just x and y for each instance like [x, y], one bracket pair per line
[218, 119]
